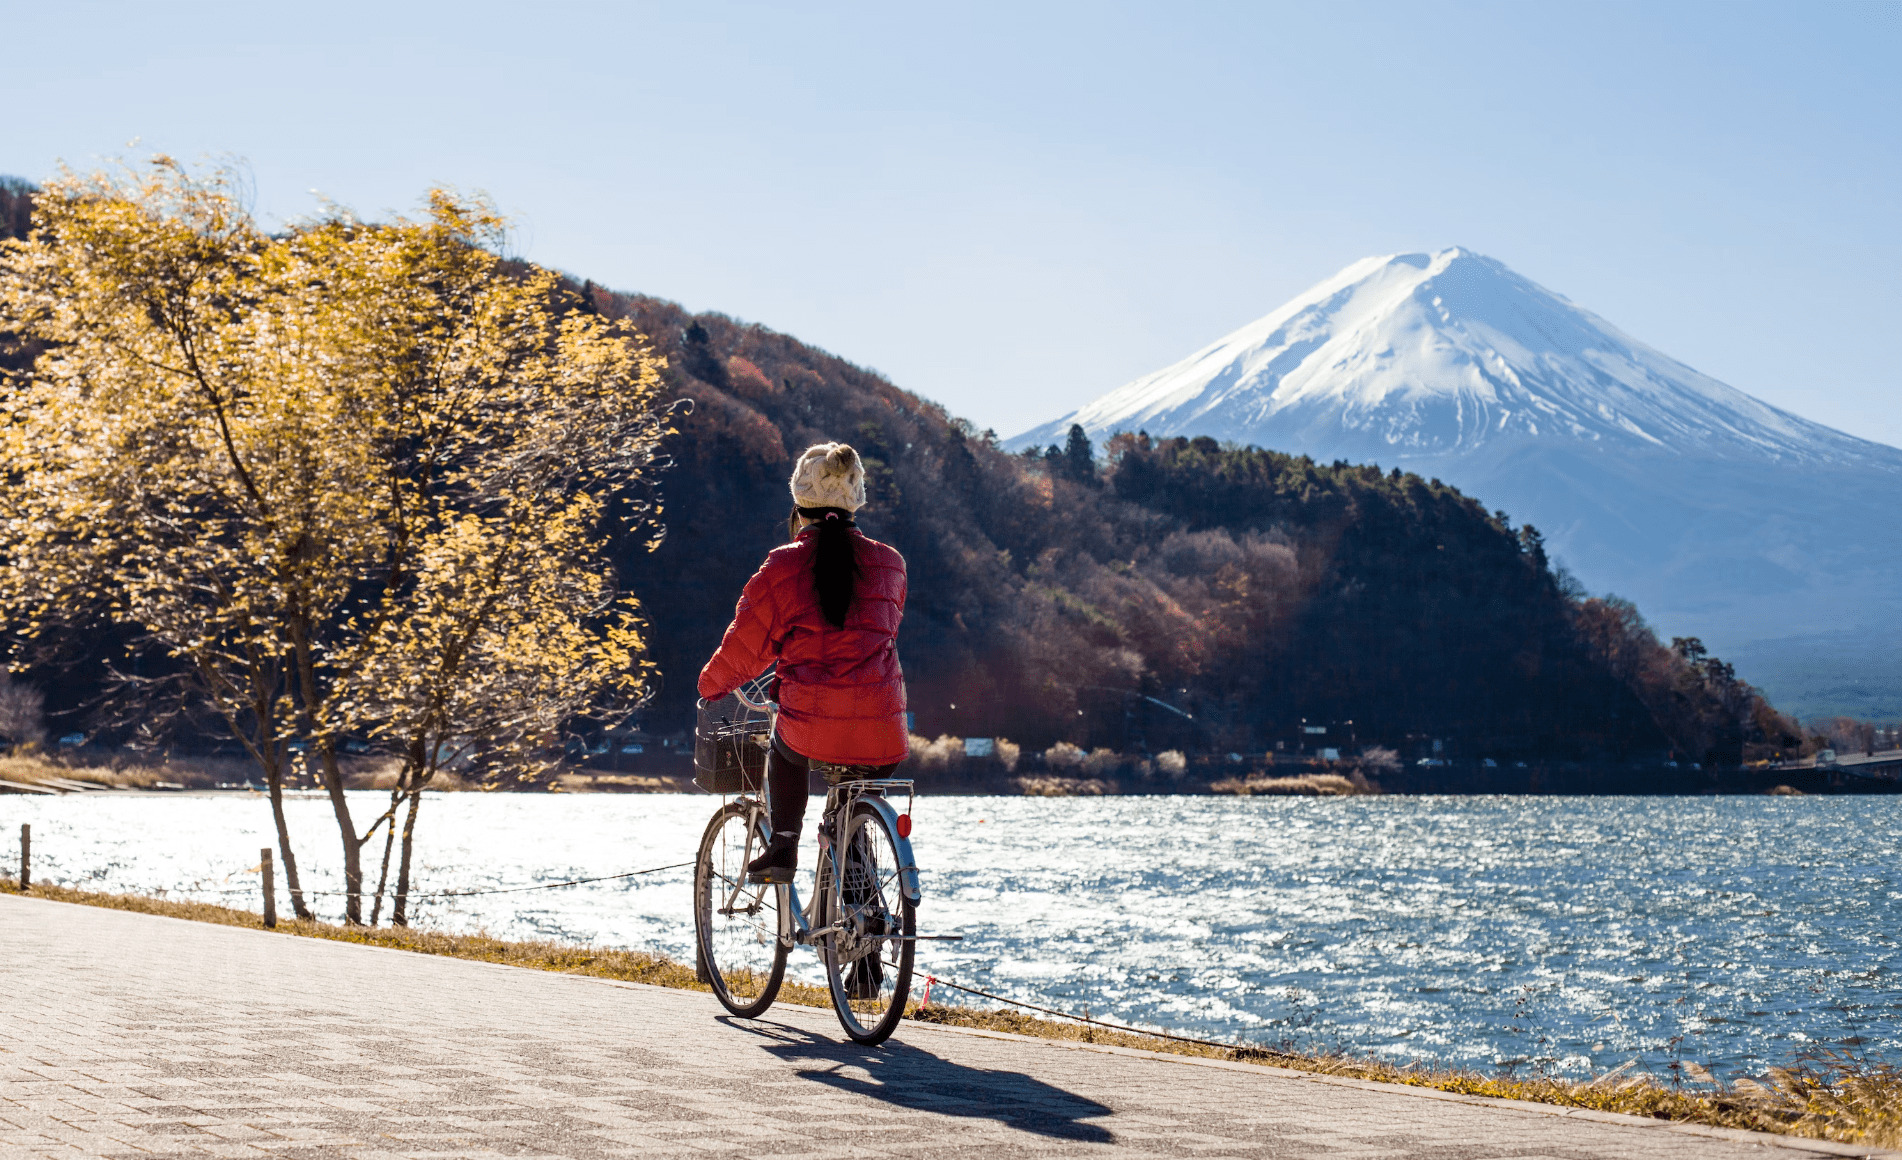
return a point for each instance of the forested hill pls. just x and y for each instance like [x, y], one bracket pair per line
[1053, 593]
[1099, 595]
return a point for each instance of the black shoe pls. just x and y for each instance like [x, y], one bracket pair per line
[779, 861]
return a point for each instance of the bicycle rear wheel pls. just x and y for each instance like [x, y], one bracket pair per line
[868, 963]
[744, 930]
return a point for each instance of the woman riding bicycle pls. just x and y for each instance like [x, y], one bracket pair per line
[826, 607]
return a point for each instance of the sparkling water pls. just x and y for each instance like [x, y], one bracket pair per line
[1570, 934]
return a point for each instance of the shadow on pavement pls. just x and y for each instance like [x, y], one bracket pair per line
[900, 1074]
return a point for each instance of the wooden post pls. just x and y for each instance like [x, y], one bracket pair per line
[26, 856]
[270, 889]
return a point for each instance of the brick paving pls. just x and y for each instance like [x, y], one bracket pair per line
[131, 1035]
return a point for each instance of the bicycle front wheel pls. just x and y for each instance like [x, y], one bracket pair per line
[744, 930]
[868, 958]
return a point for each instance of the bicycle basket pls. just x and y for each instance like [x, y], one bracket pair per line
[729, 747]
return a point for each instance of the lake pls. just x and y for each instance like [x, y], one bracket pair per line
[1567, 933]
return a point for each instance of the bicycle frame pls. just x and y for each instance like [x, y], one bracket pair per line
[840, 799]
[804, 916]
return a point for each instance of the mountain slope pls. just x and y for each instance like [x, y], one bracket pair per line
[1723, 516]
[1053, 601]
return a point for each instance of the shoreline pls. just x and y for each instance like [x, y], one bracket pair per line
[686, 786]
[1837, 1099]
[77, 774]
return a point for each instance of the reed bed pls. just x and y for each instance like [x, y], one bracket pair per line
[180, 773]
[200, 773]
[1835, 1095]
[1298, 785]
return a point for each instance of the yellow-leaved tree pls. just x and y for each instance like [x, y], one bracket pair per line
[349, 479]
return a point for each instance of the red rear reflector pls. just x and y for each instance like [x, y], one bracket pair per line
[904, 825]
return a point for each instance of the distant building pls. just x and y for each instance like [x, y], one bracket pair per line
[1427, 749]
[1320, 740]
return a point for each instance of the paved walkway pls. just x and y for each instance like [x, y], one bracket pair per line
[130, 1035]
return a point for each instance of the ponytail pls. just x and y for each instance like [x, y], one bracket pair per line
[835, 563]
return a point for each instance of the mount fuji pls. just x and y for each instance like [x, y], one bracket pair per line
[1773, 538]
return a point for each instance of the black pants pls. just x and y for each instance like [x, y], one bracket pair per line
[786, 774]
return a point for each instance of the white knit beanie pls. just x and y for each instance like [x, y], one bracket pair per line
[829, 475]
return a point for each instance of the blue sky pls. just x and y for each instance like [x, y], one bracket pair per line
[1014, 208]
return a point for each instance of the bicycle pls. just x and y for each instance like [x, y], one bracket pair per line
[862, 917]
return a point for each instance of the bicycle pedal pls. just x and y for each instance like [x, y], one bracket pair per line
[771, 876]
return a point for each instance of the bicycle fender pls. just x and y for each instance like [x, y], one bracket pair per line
[907, 862]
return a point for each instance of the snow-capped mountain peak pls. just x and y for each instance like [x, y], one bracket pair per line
[1413, 354]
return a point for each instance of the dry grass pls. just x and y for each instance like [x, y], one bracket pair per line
[632, 966]
[587, 782]
[1301, 785]
[183, 773]
[1835, 1097]
[1063, 786]
[1832, 1097]
[188, 773]
[952, 1015]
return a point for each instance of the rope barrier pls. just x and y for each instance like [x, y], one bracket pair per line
[550, 885]
[933, 981]
[510, 889]
[453, 893]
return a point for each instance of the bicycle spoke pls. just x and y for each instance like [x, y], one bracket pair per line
[868, 962]
[739, 925]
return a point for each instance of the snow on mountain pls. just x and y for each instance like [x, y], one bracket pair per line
[1722, 516]
[1445, 353]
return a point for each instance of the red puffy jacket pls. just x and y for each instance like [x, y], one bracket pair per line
[841, 693]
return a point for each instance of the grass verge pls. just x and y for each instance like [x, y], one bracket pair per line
[1834, 1096]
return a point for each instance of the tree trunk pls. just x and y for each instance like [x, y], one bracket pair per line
[332, 776]
[267, 749]
[274, 778]
[352, 851]
[383, 878]
[399, 913]
[326, 750]
[389, 836]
